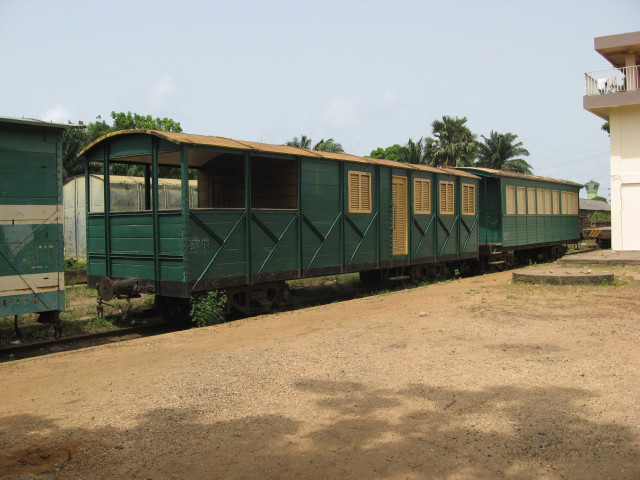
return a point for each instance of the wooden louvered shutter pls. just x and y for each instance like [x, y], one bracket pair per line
[531, 198]
[540, 201]
[359, 192]
[556, 204]
[446, 198]
[510, 199]
[421, 196]
[547, 202]
[521, 200]
[399, 198]
[468, 199]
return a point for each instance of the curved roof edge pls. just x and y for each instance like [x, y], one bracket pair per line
[257, 147]
[524, 176]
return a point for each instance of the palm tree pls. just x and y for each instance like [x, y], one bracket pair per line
[329, 145]
[452, 145]
[499, 151]
[413, 152]
[302, 142]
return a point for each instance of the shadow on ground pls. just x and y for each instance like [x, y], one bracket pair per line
[350, 432]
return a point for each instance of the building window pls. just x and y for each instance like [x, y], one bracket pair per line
[468, 199]
[531, 200]
[421, 196]
[359, 192]
[556, 204]
[511, 200]
[446, 198]
[540, 200]
[522, 204]
[547, 202]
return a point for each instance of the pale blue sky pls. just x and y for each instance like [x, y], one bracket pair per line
[368, 74]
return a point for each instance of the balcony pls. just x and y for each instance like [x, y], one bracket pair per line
[611, 88]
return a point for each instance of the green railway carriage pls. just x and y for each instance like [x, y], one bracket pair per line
[31, 230]
[526, 213]
[269, 213]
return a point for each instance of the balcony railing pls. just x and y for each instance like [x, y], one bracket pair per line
[613, 81]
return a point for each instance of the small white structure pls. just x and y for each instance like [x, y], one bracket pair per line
[127, 195]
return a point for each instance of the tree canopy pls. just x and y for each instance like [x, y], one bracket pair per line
[328, 145]
[452, 144]
[500, 151]
[74, 140]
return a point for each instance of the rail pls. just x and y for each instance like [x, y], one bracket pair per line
[615, 80]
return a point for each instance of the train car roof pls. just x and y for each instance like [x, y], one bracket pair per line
[258, 147]
[34, 122]
[491, 172]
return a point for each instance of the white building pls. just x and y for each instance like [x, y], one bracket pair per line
[614, 95]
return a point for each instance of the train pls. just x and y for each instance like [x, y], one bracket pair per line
[31, 229]
[265, 214]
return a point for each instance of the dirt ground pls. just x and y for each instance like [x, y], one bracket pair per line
[473, 378]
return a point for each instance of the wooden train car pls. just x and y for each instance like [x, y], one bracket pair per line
[525, 217]
[269, 213]
[31, 230]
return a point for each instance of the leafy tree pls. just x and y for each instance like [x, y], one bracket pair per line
[598, 197]
[389, 153]
[414, 152]
[329, 145]
[302, 142]
[452, 144]
[500, 151]
[606, 126]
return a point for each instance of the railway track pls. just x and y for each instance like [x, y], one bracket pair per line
[15, 352]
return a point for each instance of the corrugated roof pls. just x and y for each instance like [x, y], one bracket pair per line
[38, 123]
[257, 147]
[595, 205]
[505, 173]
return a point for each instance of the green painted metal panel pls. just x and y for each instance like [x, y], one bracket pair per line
[321, 214]
[31, 303]
[31, 239]
[216, 244]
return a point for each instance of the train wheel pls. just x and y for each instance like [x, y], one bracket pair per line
[173, 309]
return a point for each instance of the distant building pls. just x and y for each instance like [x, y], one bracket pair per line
[589, 207]
[592, 189]
[614, 95]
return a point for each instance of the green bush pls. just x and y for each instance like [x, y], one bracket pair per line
[75, 264]
[208, 308]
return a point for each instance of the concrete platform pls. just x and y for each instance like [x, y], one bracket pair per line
[563, 276]
[601, 258]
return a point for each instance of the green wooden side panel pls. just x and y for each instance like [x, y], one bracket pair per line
[274, 241]
[216, 250]
[31, 303]
[360, 229]
[29, 249]
[385, 236]
[132, 246]
[490, 210]
[28, 178]
[321, 210]
[30, 162]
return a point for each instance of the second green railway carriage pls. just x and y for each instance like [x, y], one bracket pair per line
[525, 216]
[269, 213]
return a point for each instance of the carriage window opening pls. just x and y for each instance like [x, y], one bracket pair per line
[565, 203]
[468, 199]
[522, 204]
[421, 196]
[547, 202]
[556, 205]
[221, 182]
[447, 206]
[359, 192]
[540, 201]
[510, 194]
[531, 200]
[223, 192]
[274, 183]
